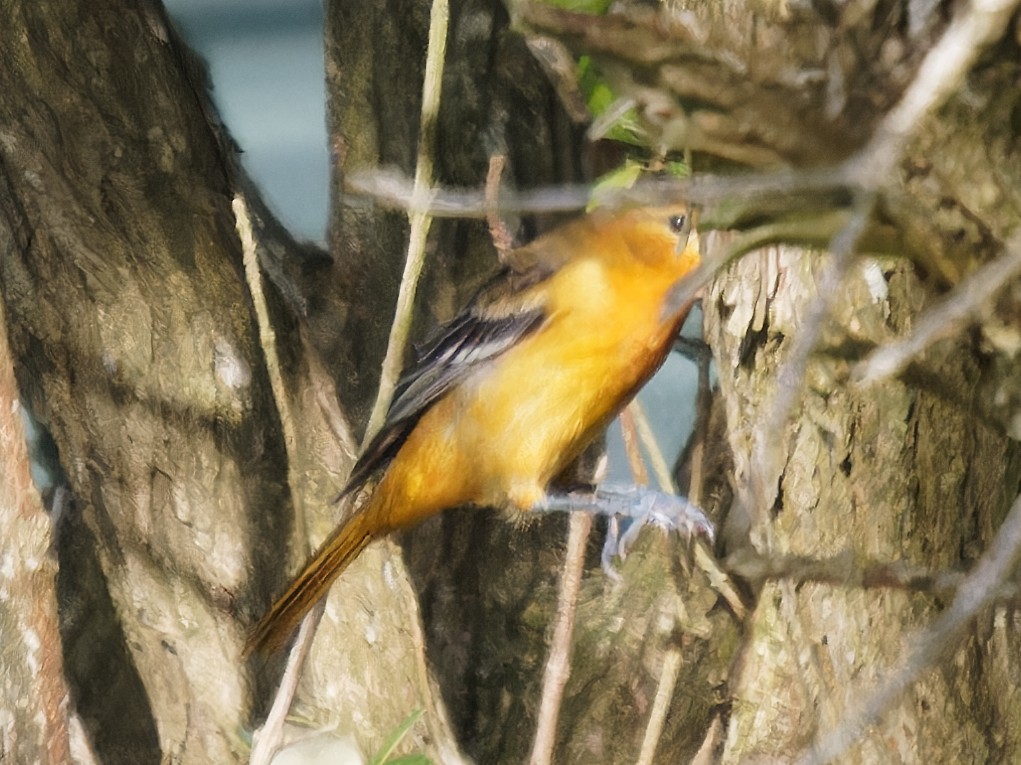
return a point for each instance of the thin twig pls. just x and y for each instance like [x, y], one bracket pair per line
[713, 737]
[250, 230]
[941, 73]
[718, 578]
[632, 443]
[647, 438]
[561, 69]
[558, 665]
[944, 319]
[499, 231]
[267, 334]
[767, 454]
[436, 718]
[635, 429]
[439, 18]
[848, 570]
[269, 738]
[399, 330]
[325, 388]
[703, 411]
[669, 671]
[394, 189]
[934, 644]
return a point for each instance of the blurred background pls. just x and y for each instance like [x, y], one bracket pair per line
[266, 64]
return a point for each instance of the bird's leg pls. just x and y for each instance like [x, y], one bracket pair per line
[629, 509]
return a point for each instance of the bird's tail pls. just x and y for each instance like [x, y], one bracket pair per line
[286, 613]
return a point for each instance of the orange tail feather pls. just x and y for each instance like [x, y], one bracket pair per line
[286, 613]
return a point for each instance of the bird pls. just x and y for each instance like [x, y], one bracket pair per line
[515, 387]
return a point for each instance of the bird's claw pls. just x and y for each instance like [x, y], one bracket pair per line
[646, 507]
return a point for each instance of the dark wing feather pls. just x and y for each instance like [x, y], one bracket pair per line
[489, 327]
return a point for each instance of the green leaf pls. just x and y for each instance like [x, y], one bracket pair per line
[594, 7]
[395, 738]
[678, 169]
[623, 177]
[600, 98]
[410, 759]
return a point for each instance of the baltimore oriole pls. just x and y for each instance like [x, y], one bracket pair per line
[516, 387]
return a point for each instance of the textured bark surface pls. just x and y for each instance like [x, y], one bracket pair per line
[754, 83]
[897, 473]
[773, 85]
[34, 698]
[134, 336]
[198, 484]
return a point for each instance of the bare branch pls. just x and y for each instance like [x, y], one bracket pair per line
[848, 570]
[633, 434]
[393, 189]
[668, 673]
[634, 421]
[558, 665]
[499, 231]
[941, 73]
[439, 20]
[943, 320]
[270, 737]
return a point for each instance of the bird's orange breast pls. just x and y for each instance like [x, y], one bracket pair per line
[505, 432]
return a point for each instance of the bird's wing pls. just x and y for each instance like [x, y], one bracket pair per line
[504, 312]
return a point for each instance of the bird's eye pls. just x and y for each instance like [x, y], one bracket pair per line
[677, 223]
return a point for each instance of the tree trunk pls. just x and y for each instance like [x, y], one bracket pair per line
[206, 410]
[134, 338]
[34, 689]
[900, 474]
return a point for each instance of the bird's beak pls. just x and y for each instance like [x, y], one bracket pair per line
[684, 235]
[680, 297]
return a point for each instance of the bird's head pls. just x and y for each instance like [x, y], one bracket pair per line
[660, 238]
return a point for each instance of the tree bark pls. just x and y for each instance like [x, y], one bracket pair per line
[34, 692]
[195, 404]
[900, 474]
[134, 339]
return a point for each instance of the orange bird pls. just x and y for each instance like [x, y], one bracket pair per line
[526, 377]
